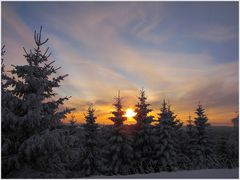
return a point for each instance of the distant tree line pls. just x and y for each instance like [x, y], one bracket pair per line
[36, 144]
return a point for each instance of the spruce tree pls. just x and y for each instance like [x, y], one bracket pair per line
[165, 147]
[33, 107]
[143, 137]
[142, 111]
[202, 147]
[118, 115]
[34, 84]
[88, 164]
[119, 151]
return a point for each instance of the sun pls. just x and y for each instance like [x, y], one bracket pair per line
[130, 113]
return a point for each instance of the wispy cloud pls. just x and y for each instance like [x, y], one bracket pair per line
[15, 35]
[106, 47]
[214, 33]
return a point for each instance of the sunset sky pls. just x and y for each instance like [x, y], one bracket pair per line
[181, 51]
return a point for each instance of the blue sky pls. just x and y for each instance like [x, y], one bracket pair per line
[182, 51]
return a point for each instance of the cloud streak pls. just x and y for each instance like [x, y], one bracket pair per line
[111, 46]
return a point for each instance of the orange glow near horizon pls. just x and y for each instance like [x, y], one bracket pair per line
[103, 117]
[103, 112]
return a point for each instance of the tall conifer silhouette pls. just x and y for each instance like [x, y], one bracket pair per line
[143, 138]
[119, 150]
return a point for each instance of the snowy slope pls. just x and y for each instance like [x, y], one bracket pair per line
[205, 173]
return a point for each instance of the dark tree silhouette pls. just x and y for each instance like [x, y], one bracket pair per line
[119, 151]
[31, 108]
[143, 138]
[89, 162]
[33, 84]
[142, 111]
[202, 147]
[165, 147]
[118, 115]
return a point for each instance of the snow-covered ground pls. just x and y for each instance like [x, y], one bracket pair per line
[204, 173]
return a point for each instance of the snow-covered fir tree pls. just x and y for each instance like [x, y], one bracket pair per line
[143, 137]
[142, 111]
[119, 151]
[166, 142]
[88, 165]
[118, 115]
[34, 84]
[201, 153]
[32, 88]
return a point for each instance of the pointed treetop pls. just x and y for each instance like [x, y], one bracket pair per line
[201, 118]
[142, 110]
[168, 117]
[90, 107]
[38, 36]
[164, 102]
[90, 118]
[118, 93]
[142, 93]
[164, 107]
[200, 111]
[163, 115]
[33, 85]
[118, 100]
[189, 119]
[118, 115]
